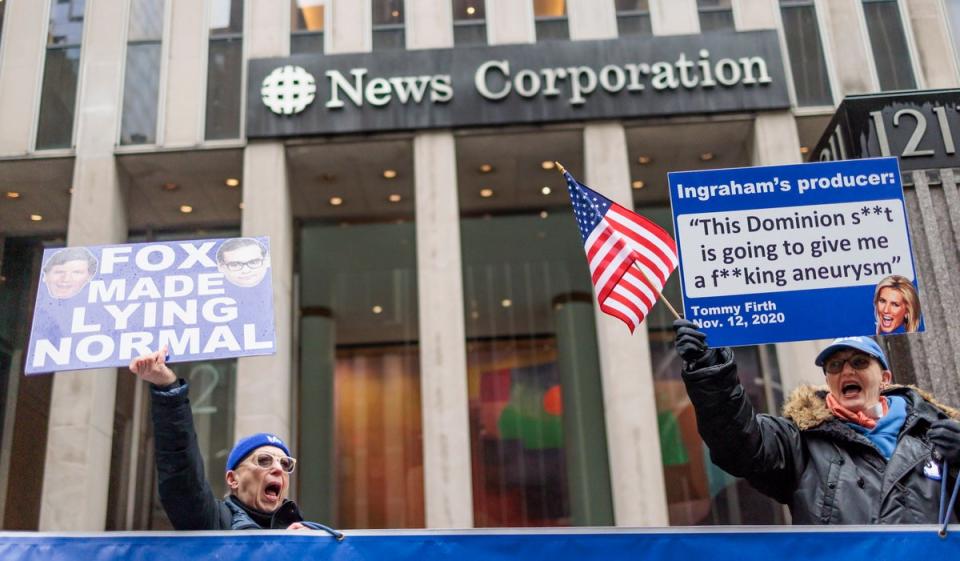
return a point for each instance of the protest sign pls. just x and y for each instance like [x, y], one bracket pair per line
[797, 252]
[101, 306]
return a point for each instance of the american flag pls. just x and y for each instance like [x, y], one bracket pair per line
[630, 257]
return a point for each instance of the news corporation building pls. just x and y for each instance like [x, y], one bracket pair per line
[441, 362]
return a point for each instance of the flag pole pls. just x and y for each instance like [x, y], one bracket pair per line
[645, 277]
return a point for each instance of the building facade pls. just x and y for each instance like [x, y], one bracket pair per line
[441, 362]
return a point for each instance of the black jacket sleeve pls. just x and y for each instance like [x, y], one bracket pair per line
[765, 450]
[184, 491]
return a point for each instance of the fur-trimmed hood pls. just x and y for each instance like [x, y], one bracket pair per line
[807, 405]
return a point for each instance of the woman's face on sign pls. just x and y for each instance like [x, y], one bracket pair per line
[891, 309]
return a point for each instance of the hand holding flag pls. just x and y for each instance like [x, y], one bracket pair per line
[630, 257]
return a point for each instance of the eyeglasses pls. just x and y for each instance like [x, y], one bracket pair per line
[235, 266]
[265, 461]
[857, 361]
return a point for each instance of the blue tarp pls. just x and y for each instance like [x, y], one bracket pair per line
[740, 544]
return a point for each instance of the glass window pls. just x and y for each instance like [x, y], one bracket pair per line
[388, 28]
[807, 63]
[224, 70]
[141, 82]
[27, 396]
[538, 440]
[551, 19]
[469, 22]
[3, 7]
[715, 15]
[698, 492]
[953, 17]
[306, 24]
[60, 74]
[890, 52]
[359, 384]
[633, 17]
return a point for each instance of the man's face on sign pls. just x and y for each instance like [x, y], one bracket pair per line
[67, 279]
[245, 266]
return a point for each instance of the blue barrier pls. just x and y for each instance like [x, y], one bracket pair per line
[740, 544]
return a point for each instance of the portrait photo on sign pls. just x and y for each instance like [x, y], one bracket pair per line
[896, 306]
[244, 262]
[68, 271]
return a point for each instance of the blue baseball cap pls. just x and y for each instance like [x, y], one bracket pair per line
[251, 443]
[865, 344]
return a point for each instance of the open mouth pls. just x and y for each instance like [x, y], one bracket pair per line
[272, 491]
[886, 321]
[851, 389]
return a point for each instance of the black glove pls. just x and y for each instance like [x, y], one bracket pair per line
[945, 437]
[690, 343]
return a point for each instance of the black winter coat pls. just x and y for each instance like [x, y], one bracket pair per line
[184, 491]
[823, 470]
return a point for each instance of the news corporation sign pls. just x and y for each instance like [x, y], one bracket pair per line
[314, 94]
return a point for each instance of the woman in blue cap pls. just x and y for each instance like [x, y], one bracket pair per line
[859, 451]
[257, 472]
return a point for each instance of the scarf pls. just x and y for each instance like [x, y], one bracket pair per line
[859, 418]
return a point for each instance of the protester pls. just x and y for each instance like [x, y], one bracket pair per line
[858, 451]
[257, 475]
[896, 305]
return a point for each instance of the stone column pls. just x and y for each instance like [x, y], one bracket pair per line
[639, 493]
[931, 33]
[590, 19]
[77, 470]
[510, 21]
[350, 27]
[183, 97]
[263, 397]
[776, 142]
[21, 68]
[443, 354]
[674, 17]
[636, 471]
[849, 46]
[448, 485]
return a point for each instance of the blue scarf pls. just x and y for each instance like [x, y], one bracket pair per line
[884, 435]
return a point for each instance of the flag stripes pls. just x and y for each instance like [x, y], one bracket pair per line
[630, 257]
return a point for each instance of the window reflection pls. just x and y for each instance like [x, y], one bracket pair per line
[359, 379]
[537, 433]
[715, 15]
[551, 19]
[633, 17]
[141, 87]
[306, 24]
[889, 42]
[224, 70]
[60, 74]
[469, 22]
[953, 18]
[28, 396]
[807, 62]
[388, 25]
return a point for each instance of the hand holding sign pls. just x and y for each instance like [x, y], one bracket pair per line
[105, 305]
[153, 368]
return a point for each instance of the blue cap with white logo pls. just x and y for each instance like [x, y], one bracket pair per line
[251, 443]
[865, 344]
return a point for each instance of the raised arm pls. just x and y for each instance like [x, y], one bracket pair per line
[765, 450]
[184, 491]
